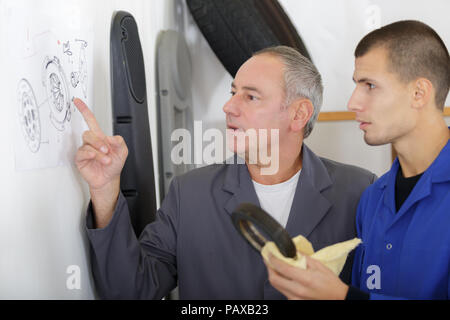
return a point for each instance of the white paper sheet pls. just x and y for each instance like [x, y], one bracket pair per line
[50, 56]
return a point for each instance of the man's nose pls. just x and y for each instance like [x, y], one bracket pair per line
[231, 107]
[355, 103]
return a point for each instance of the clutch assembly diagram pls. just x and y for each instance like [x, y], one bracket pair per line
[50, 66]
[58, 96]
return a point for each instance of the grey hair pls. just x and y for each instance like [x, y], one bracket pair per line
[302, 80]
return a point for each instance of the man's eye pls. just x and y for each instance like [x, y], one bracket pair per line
[232, 93]
[370, 86]
[252, 98]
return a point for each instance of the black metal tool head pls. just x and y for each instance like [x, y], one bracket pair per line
[258, 227]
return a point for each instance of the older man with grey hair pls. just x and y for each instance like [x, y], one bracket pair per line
[193, 242]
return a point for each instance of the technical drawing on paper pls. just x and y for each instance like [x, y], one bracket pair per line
[66, 48]
[80, 76]
[54, 81]
[29, 115]
[55, 92]
[48, 62]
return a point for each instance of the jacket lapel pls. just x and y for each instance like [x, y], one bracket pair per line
[239, 184]
[438, 171]
[309, 205]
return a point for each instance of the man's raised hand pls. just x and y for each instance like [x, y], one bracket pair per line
[100, 160]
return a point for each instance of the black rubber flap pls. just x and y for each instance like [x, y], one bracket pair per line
[130, 119]
[258, 227]
[134, 59]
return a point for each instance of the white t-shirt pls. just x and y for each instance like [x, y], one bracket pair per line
[276, 199]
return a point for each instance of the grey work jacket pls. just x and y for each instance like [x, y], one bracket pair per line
[194, 244]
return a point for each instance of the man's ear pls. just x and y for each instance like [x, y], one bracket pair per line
[422, 93]
[303, 111]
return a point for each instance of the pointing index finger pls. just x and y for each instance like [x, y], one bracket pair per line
[88, 116]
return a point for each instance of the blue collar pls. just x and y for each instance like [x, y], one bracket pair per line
[438, 171]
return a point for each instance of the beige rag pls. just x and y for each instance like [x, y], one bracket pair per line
[333, 256]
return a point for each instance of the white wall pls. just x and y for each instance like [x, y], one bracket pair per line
[331, 29]
[42, 216]
[343, 141]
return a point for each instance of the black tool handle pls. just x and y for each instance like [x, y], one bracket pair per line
[258, 227]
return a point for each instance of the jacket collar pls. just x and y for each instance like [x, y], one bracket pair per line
[438, 171]
[239, 184]
[440, 168]
[309, 205]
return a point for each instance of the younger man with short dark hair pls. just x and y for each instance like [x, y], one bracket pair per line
[402, 76]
